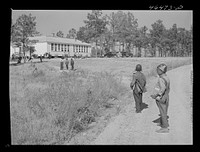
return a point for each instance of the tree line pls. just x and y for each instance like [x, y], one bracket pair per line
[116, 28]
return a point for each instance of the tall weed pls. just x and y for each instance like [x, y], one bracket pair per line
[67, 105]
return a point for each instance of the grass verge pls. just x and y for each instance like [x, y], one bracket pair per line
[51, 110]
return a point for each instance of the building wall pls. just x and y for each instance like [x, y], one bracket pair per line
[41, 48]
[89, 51]
[71, 53]
[48, 47]
[14, 50]
[70, 50]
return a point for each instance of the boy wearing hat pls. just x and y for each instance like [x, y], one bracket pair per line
[138, 84]
[161, 95]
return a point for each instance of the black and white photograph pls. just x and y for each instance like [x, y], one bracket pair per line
[101, 77]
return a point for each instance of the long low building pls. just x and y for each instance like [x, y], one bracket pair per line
[57, 46]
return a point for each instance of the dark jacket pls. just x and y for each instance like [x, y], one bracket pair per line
[66, 61]
[138, 82]
[72, 62]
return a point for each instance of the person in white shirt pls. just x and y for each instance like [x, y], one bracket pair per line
[161, 95]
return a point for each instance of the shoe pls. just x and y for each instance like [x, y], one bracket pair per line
[163, 130]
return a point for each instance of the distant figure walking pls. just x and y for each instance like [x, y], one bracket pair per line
[61, 63]
[49, 55]
[138, 85]
[161, 95]
[72, 64]
[67, 63]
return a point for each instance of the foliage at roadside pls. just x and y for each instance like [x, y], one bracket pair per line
[50, 110]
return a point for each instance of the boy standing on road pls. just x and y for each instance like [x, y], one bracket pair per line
[162, 97]
[138, 86]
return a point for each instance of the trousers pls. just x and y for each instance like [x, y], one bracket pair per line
[66, 66]
[138, 100]
[61, 65]
[72, 65]
[163, 108]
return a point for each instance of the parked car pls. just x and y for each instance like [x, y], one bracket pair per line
[34, 55]
[127, 54]
[110, 54]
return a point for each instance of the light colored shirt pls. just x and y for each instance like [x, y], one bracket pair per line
[160, 86]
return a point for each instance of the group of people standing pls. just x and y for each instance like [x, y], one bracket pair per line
[66, 61]
[160, 94]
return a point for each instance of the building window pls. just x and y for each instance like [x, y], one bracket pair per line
[88, 50]
[65, 46]
[52, 45]
[61, 47]
[58, 47]
[55, 47]
[68, 48]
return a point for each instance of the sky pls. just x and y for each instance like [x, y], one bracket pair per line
[51, 21]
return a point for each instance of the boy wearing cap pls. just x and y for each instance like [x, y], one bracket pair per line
[161, 95]
[138, 84]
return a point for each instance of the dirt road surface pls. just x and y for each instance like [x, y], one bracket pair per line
[130, 128]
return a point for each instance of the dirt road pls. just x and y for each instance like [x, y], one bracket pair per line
[130, 128]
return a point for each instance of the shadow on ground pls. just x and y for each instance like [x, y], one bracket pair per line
[144, 106]
[158, 119]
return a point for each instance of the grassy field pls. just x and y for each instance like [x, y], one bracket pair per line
[49, 106]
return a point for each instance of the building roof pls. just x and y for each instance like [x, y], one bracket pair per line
[58, 40]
